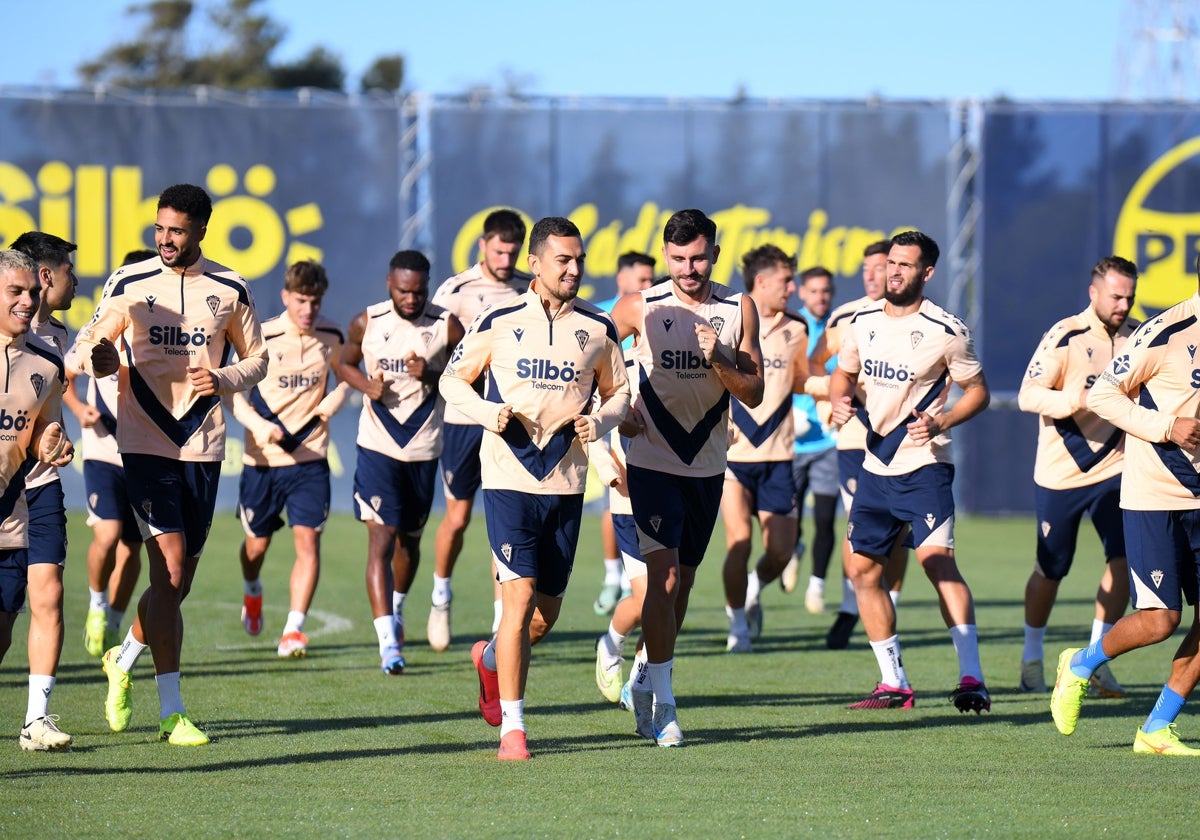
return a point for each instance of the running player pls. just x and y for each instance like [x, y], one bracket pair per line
[905, 352]
[403, 344]
[1078, 466]
[494, 279]
[1150, 392]
[182, 318]
[758, 479]
[29, 429]
[114, 556]
[694, 347]
[546, 355]
[286, 417]
[852, 440]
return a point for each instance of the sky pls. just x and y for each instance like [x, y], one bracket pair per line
[791, 49]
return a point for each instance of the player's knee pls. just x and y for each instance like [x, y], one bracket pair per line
[1160, 624]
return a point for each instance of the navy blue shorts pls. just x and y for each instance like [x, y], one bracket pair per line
[460, 460]
[1163, 550]
[47, 525]
[625, 530]
[107, 498]
[884, 504]
[301, 489]
[1059, 513]
[171, 497]
[770, 484]
[533, 536]
[674, 511]
[14, 579]
[394, 493]
[850, 464]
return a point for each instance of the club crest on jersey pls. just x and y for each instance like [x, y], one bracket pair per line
[668, 323]
[426, 336]
[787, 336]
[150, 300]
[581, 336]
[376, 501]
[930, 521]
[506, 550]
[213, 302]
[1045, 529]
[37, 381]
[655, 522]
[517, 334]
[915, 337]
[1157, 577]
[718, 323]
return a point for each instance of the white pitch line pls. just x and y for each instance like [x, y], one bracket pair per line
[330, 623]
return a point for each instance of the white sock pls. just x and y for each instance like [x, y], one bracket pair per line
[1099, 629]
[489, 656]
[295, 622]
[441, 591]
[385, 631]
[891, 668]
[253, 588]
[130, 650]
[40, 686]
[753, 588]
[849, 599]
[115, 617]
[612, 571]
[639, 679]
[97, 600]
[737, 621]
[512, 716]
[614, 643]
[1035, 638]
[497, 609]
[966, 645]
[894, 594]
[816, 584]
[170, 701]
[398, 605]
[660, 682]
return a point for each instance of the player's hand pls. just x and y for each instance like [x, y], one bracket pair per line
[105, 358]
[54, 447]
[923, 428]
[415, 366]
[583, 428]
[89, 416]
[841, 411]
[706, 336]
[275, 435]
[1185, 432]
[1081, 402]
[503, 418]
[633, 424]
[376, 387]
[204, 381]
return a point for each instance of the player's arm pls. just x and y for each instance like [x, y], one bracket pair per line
[348, 367]
[975, 398]
[741, 376]
[49, 442]
[1041, 391]
[843, 380]
[1110, 398]
[264, 430]
[87, 415]
[424, 369]
[332, 402]
[466, 364]
[612, 386]
[96, 355]
[816, 382]
[627, 315]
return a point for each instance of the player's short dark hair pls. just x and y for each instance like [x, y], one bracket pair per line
[762, 258]
[506, 225]
[1117, 264]
[929, 248]
[631, 258]
[880, 247]
[815, 271]
[138, 255]
[410, 260]
[188, 199]
[687, 226]
[306, 277]
[550, 226]
[44, 248]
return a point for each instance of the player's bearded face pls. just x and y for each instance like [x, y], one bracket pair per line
[906, 275]
[177, 237]
[499, 258]
[409, 290]
[558, 269]
[690, 264]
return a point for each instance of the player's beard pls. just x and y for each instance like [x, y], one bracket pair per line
[905, 297]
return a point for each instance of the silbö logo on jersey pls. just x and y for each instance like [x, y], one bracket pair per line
[885, 374]
[547, 375]
[685, 363]
[12, 425]
[177, 341]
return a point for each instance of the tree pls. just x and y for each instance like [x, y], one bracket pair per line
[238, 43]
[386, 73]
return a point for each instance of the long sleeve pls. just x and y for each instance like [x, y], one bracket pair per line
[1110, 396]
[1041, 391]
[469, 360]
[246, 336]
